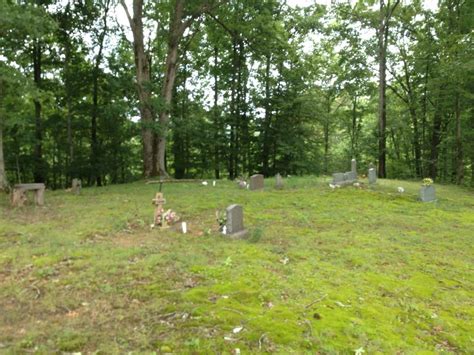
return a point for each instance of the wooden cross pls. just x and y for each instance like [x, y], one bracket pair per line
[159, 201]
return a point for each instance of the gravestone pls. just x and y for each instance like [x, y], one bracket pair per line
[76, 186]
[256, 182]
[279, 182]
[338, 178]
[159, 201]
[427, 194]
[372, 176]
[354, 168]
[235, 222]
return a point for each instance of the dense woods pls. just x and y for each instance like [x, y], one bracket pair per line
[111, 91]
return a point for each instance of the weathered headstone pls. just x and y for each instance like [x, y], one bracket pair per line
[279, 182]
[234, 227]
[338, 178]
[256, 182]
[159, 201]
[372, 176]
[76, 186]
[427, 193]
[354, 168]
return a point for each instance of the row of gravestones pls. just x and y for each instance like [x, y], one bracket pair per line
[427, 193]
[350, 177]
[257, 182]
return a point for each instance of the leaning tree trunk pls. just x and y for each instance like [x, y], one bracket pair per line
[142, 67]
[167, 96]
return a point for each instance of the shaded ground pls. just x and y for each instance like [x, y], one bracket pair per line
[323, 270]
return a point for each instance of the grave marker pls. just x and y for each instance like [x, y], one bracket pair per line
[234, 227]
[279, 182]
[159, 201]
[427, 194]
[256, 182]
[372, 176]
[76, 186]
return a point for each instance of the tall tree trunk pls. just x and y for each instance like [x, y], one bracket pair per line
[267, 120]
[67, 84]
[327, 121]
[382, 35]
[96, 169]
[354, 128]
[459, 146]
[233, 113]
[217, 124]
[385, 14]
[3, 175]
[435, 141]
[143, 83]
[39, 168]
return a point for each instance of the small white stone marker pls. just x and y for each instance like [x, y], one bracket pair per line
[184, 227]
[214, 183]
[224, 230]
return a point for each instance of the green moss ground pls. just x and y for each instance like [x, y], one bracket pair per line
[323, 270]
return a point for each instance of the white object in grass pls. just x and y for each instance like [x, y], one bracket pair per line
[184, 227]
[224, 230]
[204, 183]
[237, 330]
[401, 189]
[214, 183]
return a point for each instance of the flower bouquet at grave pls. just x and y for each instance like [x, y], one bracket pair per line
[166, 219]
[221, 219]
[170, 217]
[427, 182]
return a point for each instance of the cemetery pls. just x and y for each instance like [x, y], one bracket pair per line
[237, 177]
[297, 268]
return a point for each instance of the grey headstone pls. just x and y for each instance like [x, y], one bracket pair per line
[337, 178]
[348, 176]
[279, 181]
[256, 182]
[371, 165]
[76, 186]
[235, 222]
[428, 193]
[354, 167]
[372, 176]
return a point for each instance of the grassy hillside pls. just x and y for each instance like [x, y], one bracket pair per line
[323, 270]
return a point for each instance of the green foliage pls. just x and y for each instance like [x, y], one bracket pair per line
[260, 87]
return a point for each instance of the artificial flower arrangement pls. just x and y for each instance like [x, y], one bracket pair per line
[165, 219]
[221, 220]
[427, 182]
